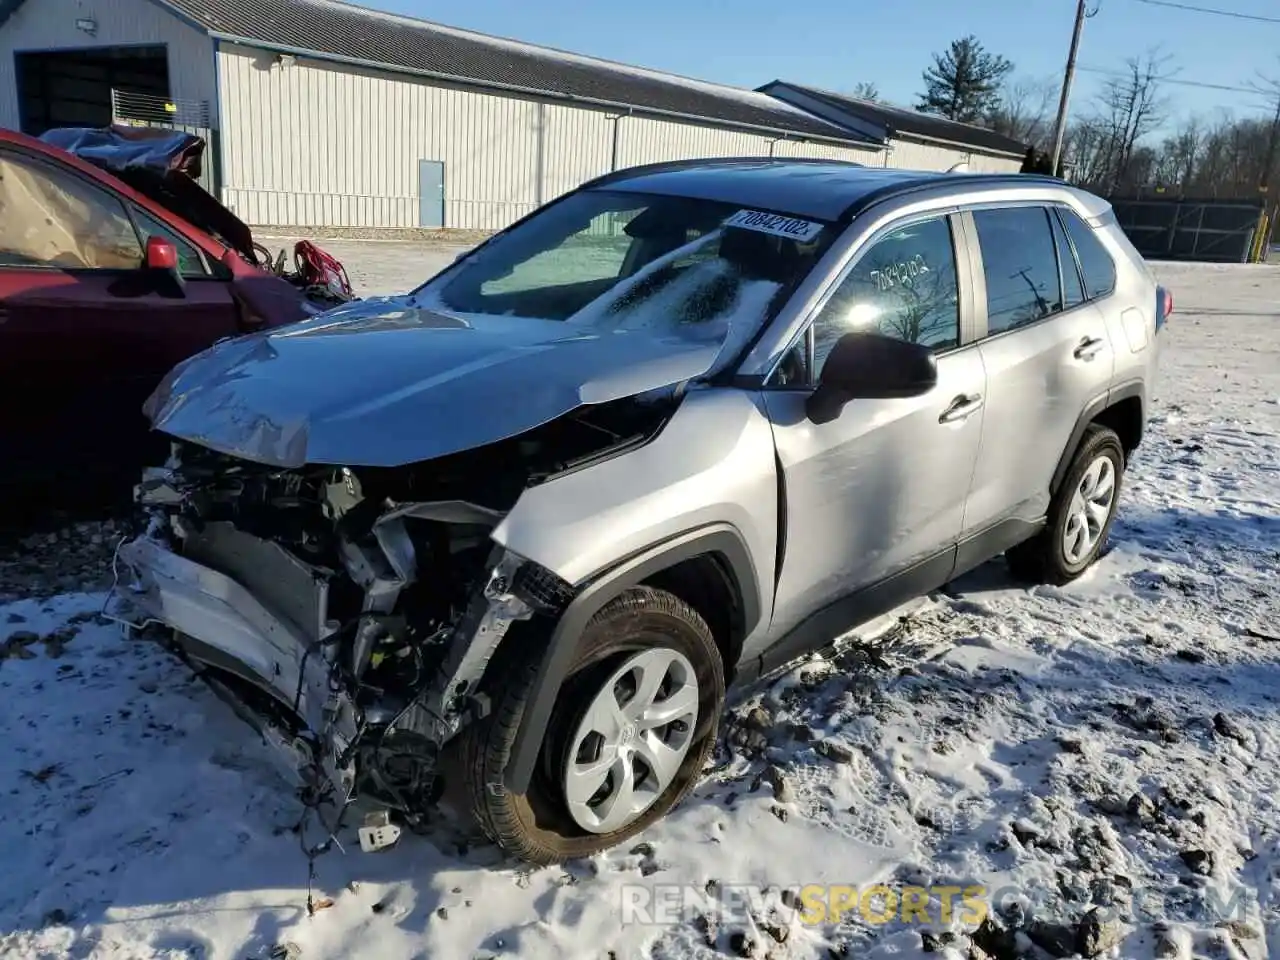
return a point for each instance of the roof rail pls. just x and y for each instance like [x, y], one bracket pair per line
[933, 180]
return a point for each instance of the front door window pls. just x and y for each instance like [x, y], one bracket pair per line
[50, 218]
[903, 286]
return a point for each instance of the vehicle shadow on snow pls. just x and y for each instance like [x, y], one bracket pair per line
[1164, 535]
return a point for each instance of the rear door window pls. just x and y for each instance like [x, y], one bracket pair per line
[1020, 264]
[1095, 263]
[52, 218]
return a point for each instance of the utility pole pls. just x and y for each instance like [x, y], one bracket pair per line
[1060, 125]
[1265, 182]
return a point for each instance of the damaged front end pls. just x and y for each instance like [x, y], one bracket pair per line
[350, 613]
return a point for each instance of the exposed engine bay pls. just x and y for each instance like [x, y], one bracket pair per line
[349, 613]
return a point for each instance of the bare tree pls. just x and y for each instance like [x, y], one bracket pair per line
[1133, 107]
[1087, 143]
[1179, 155]
[1129, 107]
[1025, 110]
[1269, 87]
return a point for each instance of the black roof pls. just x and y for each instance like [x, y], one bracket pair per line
[819, 189]
[896, 120]
[335, 30]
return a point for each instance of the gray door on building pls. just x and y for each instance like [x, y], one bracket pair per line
[430, 193]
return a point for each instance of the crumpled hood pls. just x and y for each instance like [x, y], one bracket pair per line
[382, 383]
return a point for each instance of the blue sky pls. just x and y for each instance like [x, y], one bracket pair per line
[836, 43]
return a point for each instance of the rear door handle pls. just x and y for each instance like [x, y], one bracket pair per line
[1089, 348]
[961, 408]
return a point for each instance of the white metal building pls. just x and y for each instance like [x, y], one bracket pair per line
[325, 114]
[913, 140]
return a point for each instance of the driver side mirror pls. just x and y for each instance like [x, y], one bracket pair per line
[871, 366]
[162, 263]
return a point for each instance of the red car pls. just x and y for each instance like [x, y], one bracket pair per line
[114, 266]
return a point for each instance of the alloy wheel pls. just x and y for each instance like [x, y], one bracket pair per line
[631, 740]
[1090, 508]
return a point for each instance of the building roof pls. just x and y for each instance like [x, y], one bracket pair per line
[897, 120]
[330, 29]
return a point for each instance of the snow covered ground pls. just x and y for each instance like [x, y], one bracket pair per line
[1100, 760]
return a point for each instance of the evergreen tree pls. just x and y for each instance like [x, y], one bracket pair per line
[964, 82]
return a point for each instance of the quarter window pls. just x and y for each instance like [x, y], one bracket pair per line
[51, 218]
[903, 286]
[1020, 265]
[1072, 291]
[1096, 265]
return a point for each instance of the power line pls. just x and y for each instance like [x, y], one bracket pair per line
[1182, 83]
[1213, 11]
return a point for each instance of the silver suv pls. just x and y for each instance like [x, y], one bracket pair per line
[526, 524]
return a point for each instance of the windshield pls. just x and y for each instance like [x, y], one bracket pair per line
[602, 261]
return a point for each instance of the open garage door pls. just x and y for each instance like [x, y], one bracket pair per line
[72, 88]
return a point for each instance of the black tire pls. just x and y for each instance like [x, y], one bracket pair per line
[1042, 559]
[536, 826]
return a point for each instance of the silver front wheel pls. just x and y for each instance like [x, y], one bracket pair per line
[631, 740]
[1090, 509]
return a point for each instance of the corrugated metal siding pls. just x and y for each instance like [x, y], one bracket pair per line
[869, 157]
[910, 155]
[645, 140]
[579, 146]
[914, 155]
[50, 25]
[314, 144]
[986, 163]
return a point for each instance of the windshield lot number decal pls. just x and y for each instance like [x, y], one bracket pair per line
[890, 276]
[779, 226]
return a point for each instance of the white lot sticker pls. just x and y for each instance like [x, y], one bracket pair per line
[801, 230]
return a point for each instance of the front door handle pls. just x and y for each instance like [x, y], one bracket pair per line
[961, 408]
[1089, 348]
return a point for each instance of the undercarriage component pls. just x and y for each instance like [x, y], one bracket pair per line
[378, 832]
[439, 712]
[220, 622]
[368, 622]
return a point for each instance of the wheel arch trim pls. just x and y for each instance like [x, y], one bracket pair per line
[717, 538]
[1091, 412]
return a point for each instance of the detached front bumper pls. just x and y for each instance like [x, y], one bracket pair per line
[219, 622]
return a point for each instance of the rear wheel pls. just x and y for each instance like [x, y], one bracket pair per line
[634, 724]
[1080, 514]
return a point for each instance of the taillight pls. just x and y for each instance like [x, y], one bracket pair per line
[1164, 306]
